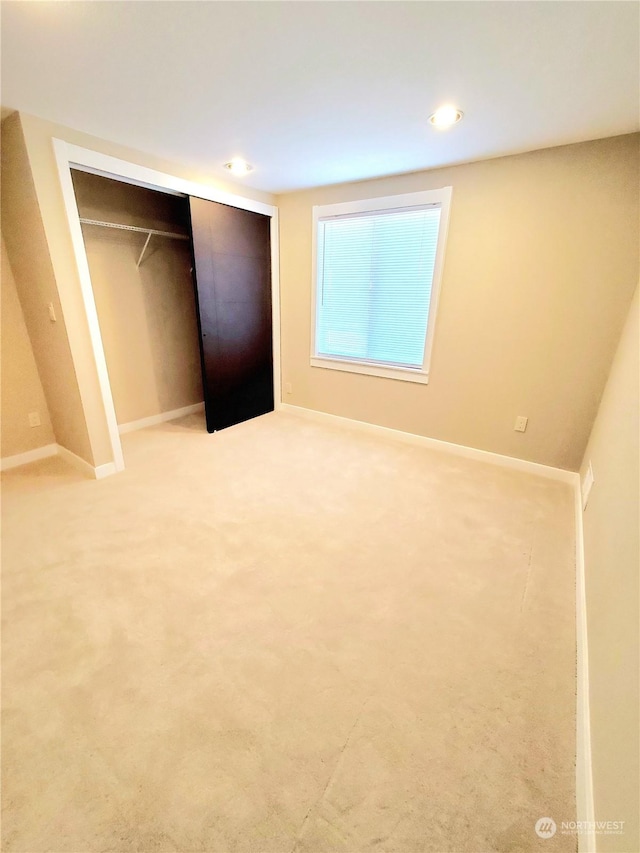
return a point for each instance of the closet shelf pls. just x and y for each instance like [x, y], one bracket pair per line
[150, 232]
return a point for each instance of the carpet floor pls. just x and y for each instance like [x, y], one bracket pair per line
[286, 638]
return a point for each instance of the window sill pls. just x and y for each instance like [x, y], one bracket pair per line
[405, 374]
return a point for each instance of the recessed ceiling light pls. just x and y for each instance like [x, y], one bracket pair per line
[445, 116]
[238, 166]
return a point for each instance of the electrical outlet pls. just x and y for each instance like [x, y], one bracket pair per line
[34, 419]
[52, 313]
[288, 388]
[521, 423]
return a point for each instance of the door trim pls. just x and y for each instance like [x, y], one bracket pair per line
[70, 156]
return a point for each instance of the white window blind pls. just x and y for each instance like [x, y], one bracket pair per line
[374, 285]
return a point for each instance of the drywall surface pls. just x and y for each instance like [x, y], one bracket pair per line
[28, 253]
[22, 391]
[540, 268]
[38, 136]
[147, 314]
[612, 559]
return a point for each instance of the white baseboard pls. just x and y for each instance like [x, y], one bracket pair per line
[57, 450]
[85, 467]
[585, 808]
[81, 464]
[29, 456]
[105, 470]
[436, 444]
[78, 463]
[161, 418]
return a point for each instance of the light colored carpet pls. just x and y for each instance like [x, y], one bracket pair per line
[286, 637]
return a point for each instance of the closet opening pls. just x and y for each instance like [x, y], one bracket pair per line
[137, 242]
[182, 288]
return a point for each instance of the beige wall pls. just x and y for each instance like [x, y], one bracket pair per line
[541, 263]
[38, 135]
[28, 253]
[147, 315]
[21, 387]
[612, 564]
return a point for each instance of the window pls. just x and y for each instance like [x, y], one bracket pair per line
[377, 268]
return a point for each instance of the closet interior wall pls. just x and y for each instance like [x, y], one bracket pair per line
[147, 313]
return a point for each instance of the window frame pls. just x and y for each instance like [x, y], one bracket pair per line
[441, 197]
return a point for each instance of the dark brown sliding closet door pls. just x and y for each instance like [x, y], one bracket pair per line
[232, 275]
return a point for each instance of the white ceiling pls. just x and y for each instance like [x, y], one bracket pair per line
[321, 92]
